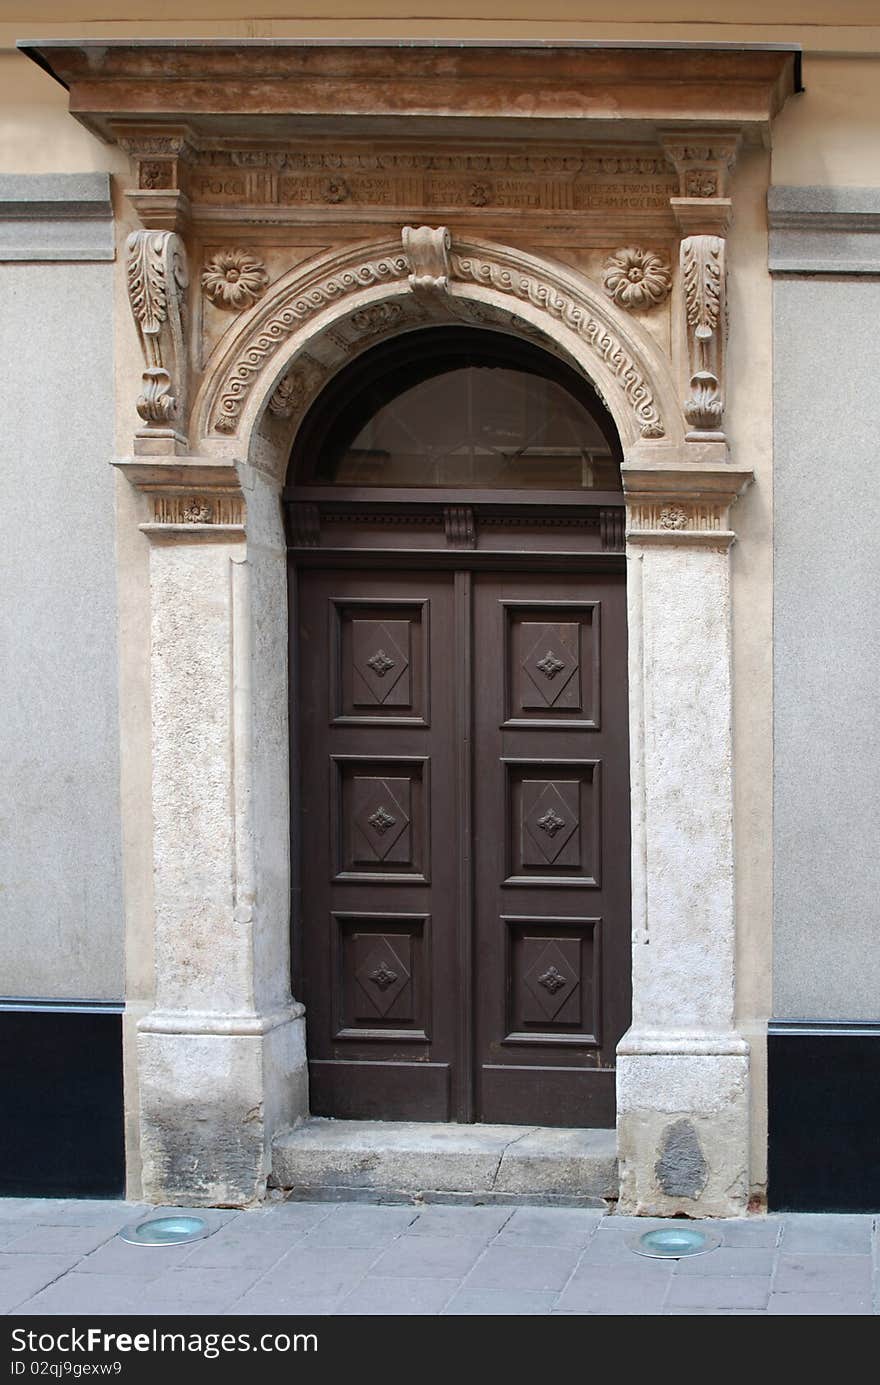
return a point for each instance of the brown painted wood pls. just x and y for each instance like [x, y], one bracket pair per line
[465, 842]
[377, 826]
[551, 825]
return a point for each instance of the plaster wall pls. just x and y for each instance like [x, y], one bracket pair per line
[60, 850]
[826, 650]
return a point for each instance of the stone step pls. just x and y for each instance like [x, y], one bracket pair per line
[365, 1160]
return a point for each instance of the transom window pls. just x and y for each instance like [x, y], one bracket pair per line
[461, 408]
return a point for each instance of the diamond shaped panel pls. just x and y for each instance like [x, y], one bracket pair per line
[381, 818]
[551, 978]
[552, 661]
[380, 659]
[382, 975]
[550, 818]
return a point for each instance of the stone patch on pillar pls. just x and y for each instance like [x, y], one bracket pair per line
[681, 1169]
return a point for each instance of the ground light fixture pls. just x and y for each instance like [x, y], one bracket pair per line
[674, 1242]
[170, 1230]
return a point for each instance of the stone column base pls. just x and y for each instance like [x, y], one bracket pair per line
[214, 1091]
[683, 1126]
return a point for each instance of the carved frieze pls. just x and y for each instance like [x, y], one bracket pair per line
[673, 517]
[549, 180]
[703, 276]
[157, 281]
[176, 508]
[636, 279]
[234, 279]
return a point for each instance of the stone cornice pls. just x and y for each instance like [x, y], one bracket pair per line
[824, 230]
[675, 502]
[217, 86]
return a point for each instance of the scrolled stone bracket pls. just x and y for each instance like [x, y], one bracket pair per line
[158, 277]
[704, 281]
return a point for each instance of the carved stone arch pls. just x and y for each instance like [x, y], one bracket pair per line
[277, 356]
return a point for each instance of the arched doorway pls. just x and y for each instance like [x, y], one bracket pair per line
[459, 712]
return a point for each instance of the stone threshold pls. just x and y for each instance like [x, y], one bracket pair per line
[405, 1161]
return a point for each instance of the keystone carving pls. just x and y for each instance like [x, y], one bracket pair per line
[703, 276]
[635, 278]
[427, 249]
[234, 279]
[157, 281]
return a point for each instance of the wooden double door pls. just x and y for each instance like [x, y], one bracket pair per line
[464, 928]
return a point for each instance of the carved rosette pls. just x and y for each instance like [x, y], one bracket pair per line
[636, 279]
[234, 279]
[157, 282]
[704, 279]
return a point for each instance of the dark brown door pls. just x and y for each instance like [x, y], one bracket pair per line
[551, 843]
[464, 797]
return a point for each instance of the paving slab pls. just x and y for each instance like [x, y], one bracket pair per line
[22, 1276]
[827, 1234]
[832, 1273]
[429, 1257]
[500, 1303]
[735, 1291]
[810, 1305]
[409, 1296]
[523, 1267]
[470, 1222]
[550, 1226]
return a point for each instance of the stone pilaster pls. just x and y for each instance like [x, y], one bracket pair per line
[683, 1100]
[222, 1055]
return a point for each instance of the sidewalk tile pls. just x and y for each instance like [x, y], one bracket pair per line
[826, 1234]
[511, 1303]
[828, 1273]
[429, 1257]
[469, 1222]
[814, 1305]
[550, 1226]
[523, 1267]
[745, 1291]
[381, 1297]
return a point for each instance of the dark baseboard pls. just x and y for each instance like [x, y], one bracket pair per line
[824, 1116]
[61, 1098]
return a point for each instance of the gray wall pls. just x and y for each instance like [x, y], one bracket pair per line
[827, 604]
[62, 929]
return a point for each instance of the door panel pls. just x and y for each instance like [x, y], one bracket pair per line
[551, 817]
[376, 725]
[465, 843]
